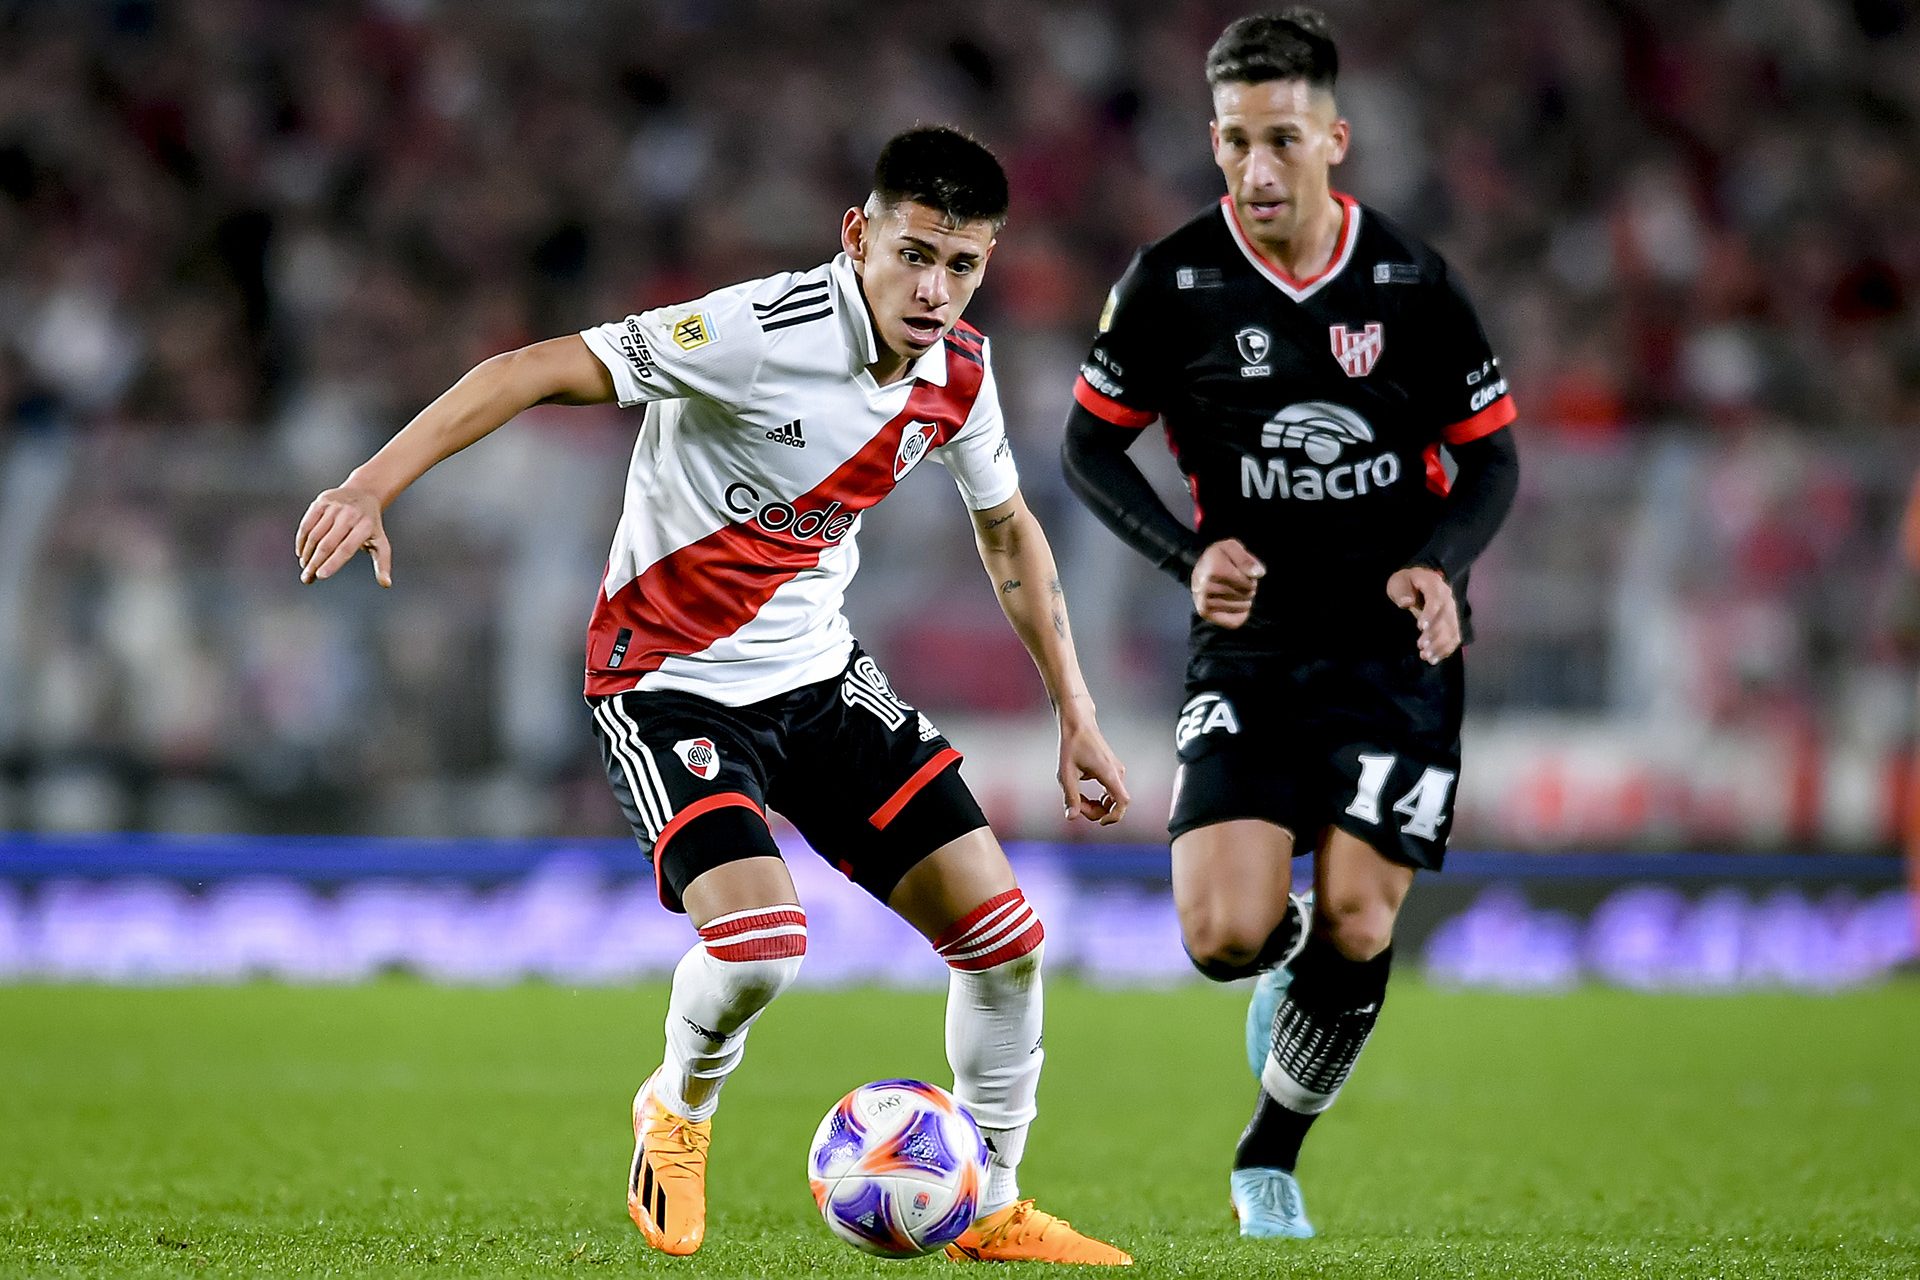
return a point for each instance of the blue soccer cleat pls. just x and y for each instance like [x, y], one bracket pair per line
[1268, 1204]
[1271, 985]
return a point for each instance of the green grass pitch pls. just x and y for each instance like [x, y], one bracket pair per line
[400, 1128]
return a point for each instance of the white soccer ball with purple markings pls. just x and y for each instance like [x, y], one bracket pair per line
[897, 1168]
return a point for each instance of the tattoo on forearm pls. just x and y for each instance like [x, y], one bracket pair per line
[1009, 586]
[1060, 622]
[1055, 588]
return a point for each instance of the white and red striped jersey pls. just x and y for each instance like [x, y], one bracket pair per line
[764, 439]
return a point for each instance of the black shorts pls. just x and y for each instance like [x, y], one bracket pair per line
[869, 781]
[1371, 746]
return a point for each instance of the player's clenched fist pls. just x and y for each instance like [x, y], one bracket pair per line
[1224, 581]
[1427, 595]
[338, 524]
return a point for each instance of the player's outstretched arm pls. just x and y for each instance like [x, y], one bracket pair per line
[1014, 550]
[344, 520]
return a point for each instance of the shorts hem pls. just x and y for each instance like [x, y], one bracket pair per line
[1177, 829]
[1395, 852]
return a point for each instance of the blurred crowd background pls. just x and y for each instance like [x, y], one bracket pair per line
[241, 242]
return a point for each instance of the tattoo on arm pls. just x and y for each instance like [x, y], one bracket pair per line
[1009, 586]
[1060, 607]
[997, 521]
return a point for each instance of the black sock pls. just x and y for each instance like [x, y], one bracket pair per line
[1322, 1025]
[1272, 1138]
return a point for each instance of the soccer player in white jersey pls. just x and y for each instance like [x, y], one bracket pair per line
[724, 680]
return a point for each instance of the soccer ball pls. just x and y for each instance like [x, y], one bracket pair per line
[897, 1168]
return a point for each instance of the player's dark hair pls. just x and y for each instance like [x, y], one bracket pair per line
[1295, 44]
[943, 169]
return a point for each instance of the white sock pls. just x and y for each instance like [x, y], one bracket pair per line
[993, 1030]
[742, 961]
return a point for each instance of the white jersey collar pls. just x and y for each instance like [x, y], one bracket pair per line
[1300, 290]
[856, 324]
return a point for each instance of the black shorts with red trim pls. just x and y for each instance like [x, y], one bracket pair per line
[1368, 745]
[863, 776]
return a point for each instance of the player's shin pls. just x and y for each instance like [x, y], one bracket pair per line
[1322, 1024]
[993, 1030]
[742, 961]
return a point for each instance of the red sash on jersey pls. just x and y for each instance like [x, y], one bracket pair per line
[709, 589]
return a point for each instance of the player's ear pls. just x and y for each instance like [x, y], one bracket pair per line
[853, 234]
[1337, 138]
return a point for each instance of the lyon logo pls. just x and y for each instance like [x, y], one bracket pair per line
[700, 756]
[914, 443]
[1253, 343]
[1356, 350]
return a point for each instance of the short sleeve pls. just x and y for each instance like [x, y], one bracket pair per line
[980, 457]
[1465, 385]
[1121, 380]
[710, 348]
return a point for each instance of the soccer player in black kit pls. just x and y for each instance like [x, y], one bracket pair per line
[1315, 367]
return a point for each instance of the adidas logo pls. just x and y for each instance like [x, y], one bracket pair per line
[788, 435]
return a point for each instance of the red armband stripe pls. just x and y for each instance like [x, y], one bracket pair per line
[1106, 407]
[1484, 423]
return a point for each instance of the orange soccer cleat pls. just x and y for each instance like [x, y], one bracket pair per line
[667, 1188]
[1022, 1233]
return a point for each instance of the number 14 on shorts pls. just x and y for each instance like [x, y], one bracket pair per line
[1424, 807]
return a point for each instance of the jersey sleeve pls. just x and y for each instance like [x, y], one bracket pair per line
[710, 348]
[1467, 389]
[1121, 381]
[980, 457]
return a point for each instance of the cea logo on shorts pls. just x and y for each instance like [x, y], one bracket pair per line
[1203, 714]
[700, 756]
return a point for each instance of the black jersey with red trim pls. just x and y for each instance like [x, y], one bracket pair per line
[1308, 416]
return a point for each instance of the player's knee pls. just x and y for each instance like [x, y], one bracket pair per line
[759, 952]
[1221, 947]
[1002, 936]
[1360, 928]
[758, 982]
